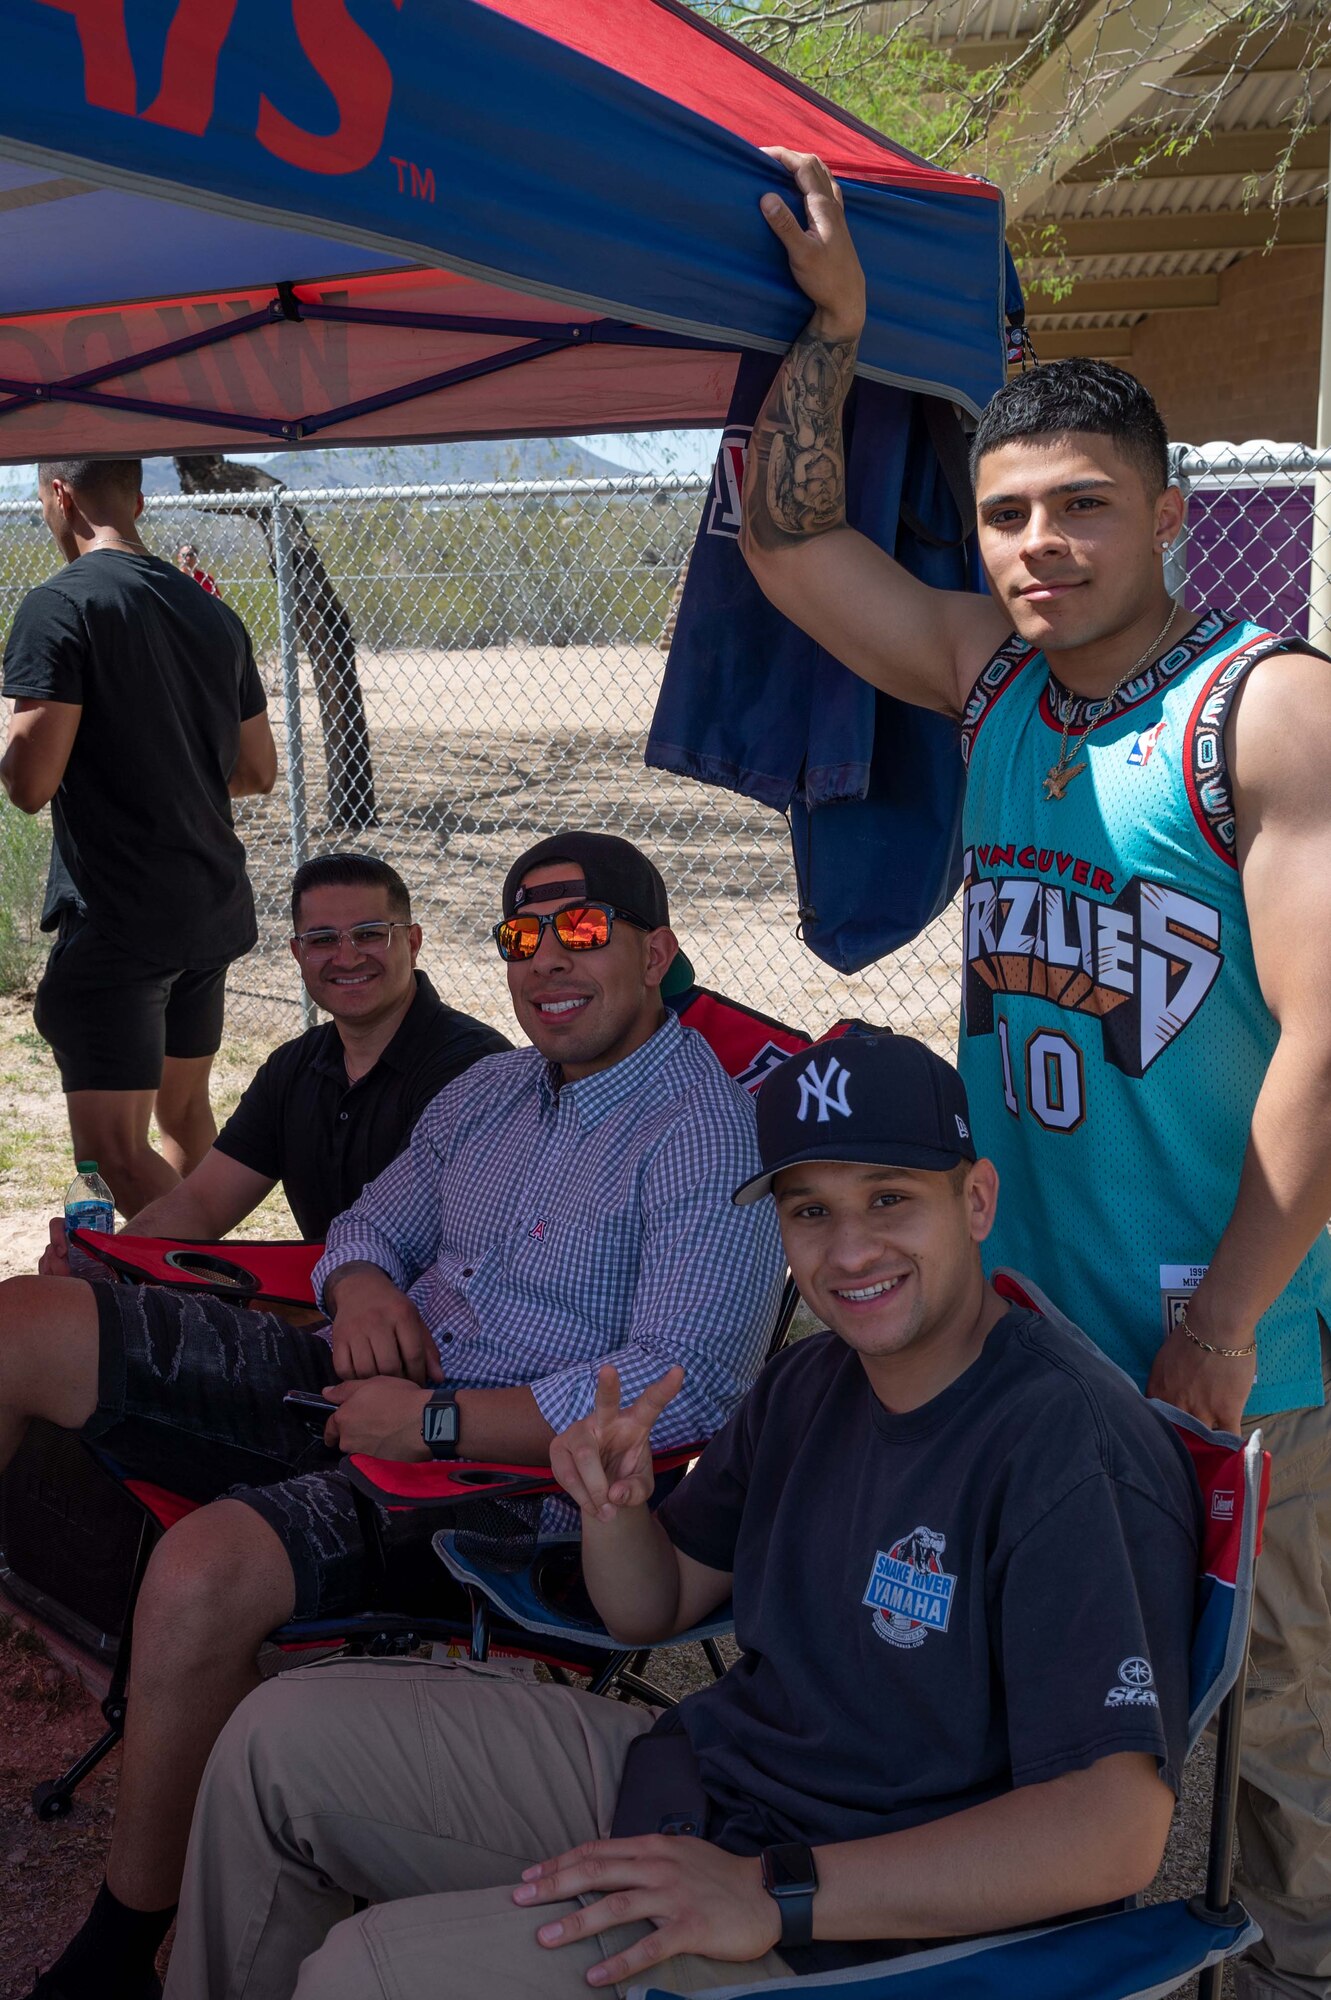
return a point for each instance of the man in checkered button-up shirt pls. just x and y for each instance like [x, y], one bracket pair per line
[560, 1206]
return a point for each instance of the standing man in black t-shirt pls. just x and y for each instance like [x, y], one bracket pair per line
[328, 1110]
[138, 716]
[962, 1553]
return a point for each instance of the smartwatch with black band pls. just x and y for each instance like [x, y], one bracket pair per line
[441, 1424]
[790, 1877]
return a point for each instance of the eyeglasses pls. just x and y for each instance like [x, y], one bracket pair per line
[364, 937]
[578, 926]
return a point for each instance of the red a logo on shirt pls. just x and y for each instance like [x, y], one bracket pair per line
[351, 65]
[725, 514]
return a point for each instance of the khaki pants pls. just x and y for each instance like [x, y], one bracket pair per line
[1284, 1820]
[391, 1781]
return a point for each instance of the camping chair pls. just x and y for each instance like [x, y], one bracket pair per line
[1136, 1953]
[748, 1045]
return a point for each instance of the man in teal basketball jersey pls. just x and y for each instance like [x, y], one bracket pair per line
[1146, 1026]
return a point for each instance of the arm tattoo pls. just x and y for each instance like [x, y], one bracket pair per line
[797, 484]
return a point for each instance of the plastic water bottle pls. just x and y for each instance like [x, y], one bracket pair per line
[89, 1203]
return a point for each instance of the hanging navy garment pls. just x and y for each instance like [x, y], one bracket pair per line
[873, 787]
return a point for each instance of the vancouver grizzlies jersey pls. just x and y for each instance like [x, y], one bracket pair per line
[1114, 1037]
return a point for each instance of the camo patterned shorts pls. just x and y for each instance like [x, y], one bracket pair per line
[190, 1395]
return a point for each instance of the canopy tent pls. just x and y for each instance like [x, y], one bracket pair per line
[245, 224]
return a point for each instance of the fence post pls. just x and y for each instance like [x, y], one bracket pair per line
[1319, 575]
[295, 727]
[1176, 555]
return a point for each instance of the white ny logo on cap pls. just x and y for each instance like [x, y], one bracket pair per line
[817, 1090]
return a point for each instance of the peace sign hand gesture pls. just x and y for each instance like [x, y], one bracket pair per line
[604, 1460]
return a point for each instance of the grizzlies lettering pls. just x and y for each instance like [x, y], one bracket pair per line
[1142, 964]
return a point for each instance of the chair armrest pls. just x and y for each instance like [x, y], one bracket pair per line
[399, 1483]
[246, 1273]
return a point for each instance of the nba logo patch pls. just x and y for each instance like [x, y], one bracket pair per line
[1144, 747]
[724, 512]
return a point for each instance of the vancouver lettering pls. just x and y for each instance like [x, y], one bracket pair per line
[1141, 964]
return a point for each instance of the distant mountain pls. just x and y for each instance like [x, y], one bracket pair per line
[415, 464]
[385, 465]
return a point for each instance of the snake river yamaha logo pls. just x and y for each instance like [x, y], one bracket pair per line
[910, 1593]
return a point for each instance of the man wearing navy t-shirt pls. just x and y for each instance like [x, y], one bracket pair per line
[962, 1552]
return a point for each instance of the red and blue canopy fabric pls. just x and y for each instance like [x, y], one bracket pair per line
[253, 223]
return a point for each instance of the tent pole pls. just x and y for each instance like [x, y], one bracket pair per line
[295, 727]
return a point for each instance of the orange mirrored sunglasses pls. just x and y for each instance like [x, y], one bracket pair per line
[578, 927]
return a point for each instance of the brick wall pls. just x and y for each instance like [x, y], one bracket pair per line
[1246, 368]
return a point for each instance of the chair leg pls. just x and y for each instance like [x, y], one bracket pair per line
[54, 1797]
[712, 1655]
[607, 1676]
[1218, 1904]
[480, 1625]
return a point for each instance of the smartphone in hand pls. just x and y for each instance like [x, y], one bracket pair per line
[308, 1404]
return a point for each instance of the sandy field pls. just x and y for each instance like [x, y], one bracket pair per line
[36, 1164]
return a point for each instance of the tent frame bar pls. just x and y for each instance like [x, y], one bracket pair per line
[538, 338]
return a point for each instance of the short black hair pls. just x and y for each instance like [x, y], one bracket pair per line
[104, 477]
[1061, 397]
[349, 871]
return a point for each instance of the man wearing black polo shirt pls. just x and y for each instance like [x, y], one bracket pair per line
[329, 1110]
[962, 1553]
[138, 716]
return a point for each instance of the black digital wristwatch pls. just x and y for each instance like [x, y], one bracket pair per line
[791, 1879]
[441, 1424]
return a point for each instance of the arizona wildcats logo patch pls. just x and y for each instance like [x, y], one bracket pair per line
[768, 1058]
[725, 512]
[910, 1593]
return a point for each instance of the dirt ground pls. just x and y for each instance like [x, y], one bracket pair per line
[48, 1874]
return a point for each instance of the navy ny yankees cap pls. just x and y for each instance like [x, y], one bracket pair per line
[864, 1100]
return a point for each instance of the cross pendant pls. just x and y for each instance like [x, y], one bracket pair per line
[1058, 778]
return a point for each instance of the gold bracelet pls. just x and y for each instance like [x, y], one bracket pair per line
[1229, 1353]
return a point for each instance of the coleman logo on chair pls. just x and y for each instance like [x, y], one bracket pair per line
[910, 1593]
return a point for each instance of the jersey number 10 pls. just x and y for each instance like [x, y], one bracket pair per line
[1054, 1081]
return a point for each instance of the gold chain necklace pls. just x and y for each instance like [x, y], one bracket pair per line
[1060, 775]
[115, 541]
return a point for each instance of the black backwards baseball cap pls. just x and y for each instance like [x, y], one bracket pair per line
[874, 1099]
[605, 869]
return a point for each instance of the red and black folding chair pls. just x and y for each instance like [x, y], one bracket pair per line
[748, 1045]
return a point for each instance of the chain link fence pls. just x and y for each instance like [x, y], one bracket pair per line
[454, 671]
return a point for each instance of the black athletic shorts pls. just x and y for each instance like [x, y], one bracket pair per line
[110, 1019]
